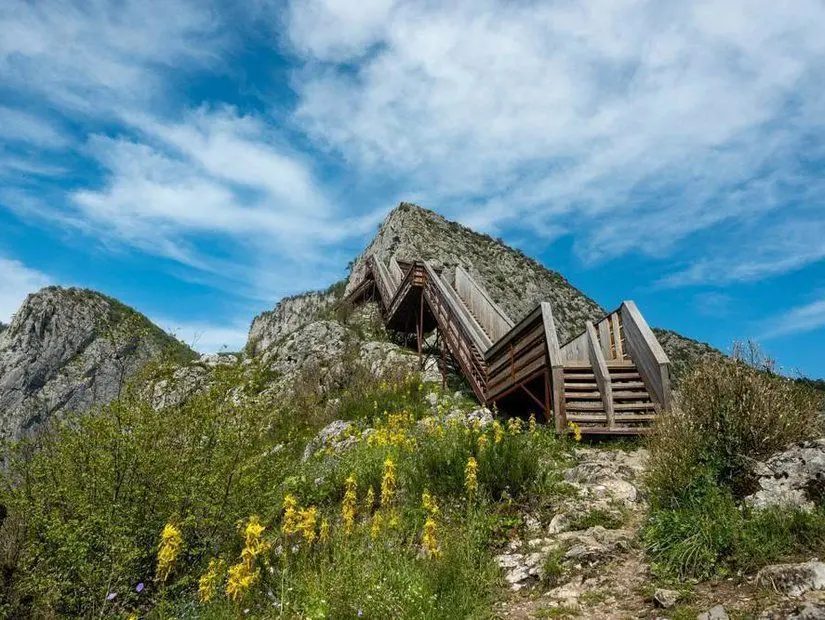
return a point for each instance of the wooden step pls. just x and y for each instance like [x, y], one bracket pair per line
[629, 395]
[621, 365]
[577, 365]
[598, 406]
[586, 385]
[585, 376]
[595, 418]
[625, 376]
[617, 407]
[628, 385]
[616, 430]
[583, 395]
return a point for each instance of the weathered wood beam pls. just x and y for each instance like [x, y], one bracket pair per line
[601, 373]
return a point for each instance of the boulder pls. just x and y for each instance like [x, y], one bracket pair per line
[717, 612]
[793, 579]
[337, 436]
[666, 598]
[794, 478]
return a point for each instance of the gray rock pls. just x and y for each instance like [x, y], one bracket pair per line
[213, 360]
[68, 350]
[666, 598]
[290, 314]
[809, 611]
[559, 523]
[793, 478]
[716, 612]
[336, 436]
[793, 579]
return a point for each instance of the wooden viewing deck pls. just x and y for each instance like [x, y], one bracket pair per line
[613, 378]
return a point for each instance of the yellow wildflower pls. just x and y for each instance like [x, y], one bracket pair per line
[576, 429]
[498, 431]
[324, 533]
[306, 524]
[348, 506]
[429, 539]
[290, 525]
[388, 483]
[532, 423]
[482, 442]
[514, 426]
[171, 544]
[471, 476]
[395, 519]
[254, 544]
[208, 582]
[369, 500]
[375, 530]
[241, 578]
[429, 503]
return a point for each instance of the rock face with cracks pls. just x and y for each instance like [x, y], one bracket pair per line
[794, 478]
[69, 349]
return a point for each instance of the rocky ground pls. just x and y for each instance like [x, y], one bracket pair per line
[562, 569]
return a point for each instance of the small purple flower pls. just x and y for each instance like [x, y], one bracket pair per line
[139, 587]
[360, 613]
[111, 596]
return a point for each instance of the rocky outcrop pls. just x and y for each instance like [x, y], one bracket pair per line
[794, 478]
[793, 579]
[605, 485]
[516, 282]
[68, 349]
[290, 314]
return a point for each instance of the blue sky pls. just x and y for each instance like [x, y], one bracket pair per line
[199, 160]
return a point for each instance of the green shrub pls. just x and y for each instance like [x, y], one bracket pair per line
[694, 539]
[730, 412]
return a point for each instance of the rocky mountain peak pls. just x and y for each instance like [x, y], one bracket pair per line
[67, 349]
[515, 281]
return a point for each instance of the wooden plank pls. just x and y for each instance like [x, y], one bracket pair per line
[514, 333]
[532, 340]
[491, 317]
[395, 271]
[555, 363]
[617, 336]
[600, 371]
[604, 338]
[646, 352]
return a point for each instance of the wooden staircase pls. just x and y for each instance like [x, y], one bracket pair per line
[613, 378]
[633, 409]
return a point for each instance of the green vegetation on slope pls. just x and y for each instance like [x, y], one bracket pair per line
[732, 412]
[123, 510]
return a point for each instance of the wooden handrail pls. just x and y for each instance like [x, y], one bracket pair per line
[601, 372]
[488, 313]
[556, 364]
[651, 360]
[396, 272]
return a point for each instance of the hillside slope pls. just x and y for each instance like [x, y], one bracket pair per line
[67, 349]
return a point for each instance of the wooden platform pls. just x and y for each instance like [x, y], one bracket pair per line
[613, 378]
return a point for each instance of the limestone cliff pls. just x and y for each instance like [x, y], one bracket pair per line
[68, 349]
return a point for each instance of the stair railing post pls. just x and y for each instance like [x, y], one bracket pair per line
[601, 372]
[555, 366]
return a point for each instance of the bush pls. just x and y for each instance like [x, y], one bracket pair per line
[731, 411]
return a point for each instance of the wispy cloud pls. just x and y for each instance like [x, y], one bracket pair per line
[207, 337]
[632, 124]
[16, 281]
[797, 320]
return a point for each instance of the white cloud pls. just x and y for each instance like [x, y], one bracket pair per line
[17, 281]
[95, 56]
[207, 337]
[797, 320]
[634, 124]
